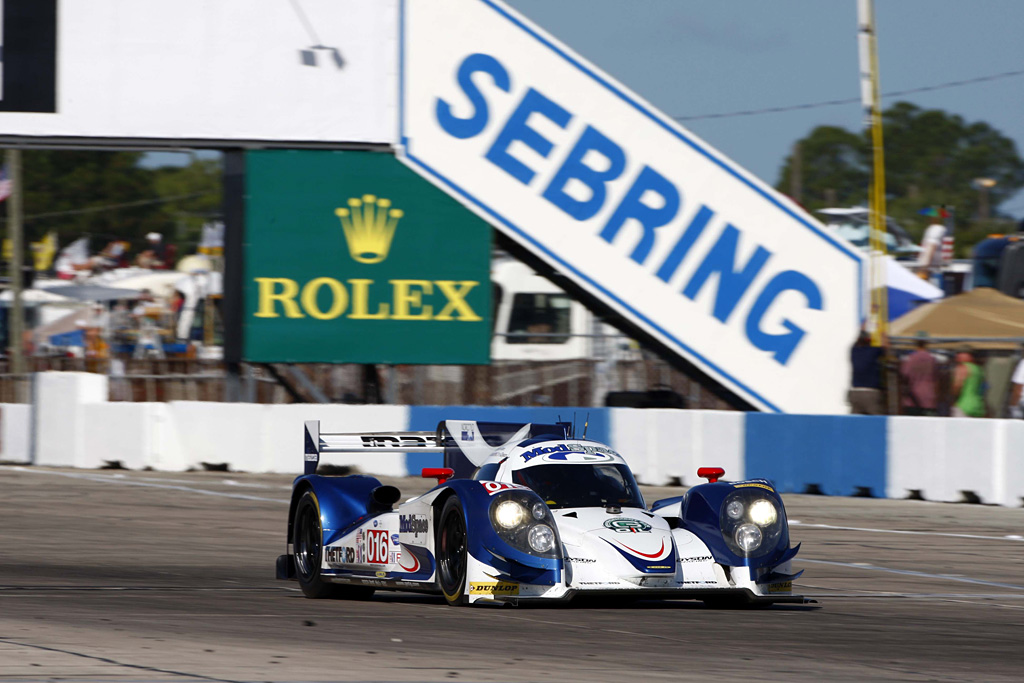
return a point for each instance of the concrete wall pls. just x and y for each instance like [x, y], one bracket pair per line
[15, 432]
[60, 424]
[943, 459]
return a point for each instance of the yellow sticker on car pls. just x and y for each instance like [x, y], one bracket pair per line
[493, 588]
[784, 587]
[753, 483]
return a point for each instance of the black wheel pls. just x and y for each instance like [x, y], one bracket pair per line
[307, 543]
[452, 551]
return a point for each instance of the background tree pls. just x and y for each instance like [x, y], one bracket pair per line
[107, 195]
[192, 197]
[931, 159]
[87, 193]
[836, 168]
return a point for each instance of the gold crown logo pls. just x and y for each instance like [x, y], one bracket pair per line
[369, 224]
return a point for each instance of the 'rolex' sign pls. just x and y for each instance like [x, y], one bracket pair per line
[350, 257]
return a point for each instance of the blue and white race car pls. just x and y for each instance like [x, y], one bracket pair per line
[529, 512]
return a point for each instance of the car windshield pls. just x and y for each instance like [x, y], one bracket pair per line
[569, 486]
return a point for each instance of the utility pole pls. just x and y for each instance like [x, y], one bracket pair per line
[14, 225]
[796, 174]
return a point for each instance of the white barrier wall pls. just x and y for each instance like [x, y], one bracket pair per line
[77, 427]
[283, 435]
[1008, 472]
[944, 457]
[60, 421]
[135, 434]
[15, 431]
[251, 437]
[663, 444]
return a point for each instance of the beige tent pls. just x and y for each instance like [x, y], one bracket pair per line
[981, 314]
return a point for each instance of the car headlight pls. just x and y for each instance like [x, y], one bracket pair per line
[509, 514]
[748, 537]
[521, 519]
[762, 512]
[751, 521]
[542, 538]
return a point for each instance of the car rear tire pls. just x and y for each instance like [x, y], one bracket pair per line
[452, 553]
[307, 543]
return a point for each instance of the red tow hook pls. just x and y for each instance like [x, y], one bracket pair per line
[712, 474]
[442, 474]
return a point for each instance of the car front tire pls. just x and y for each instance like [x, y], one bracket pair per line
[452, 552]
[307, 543]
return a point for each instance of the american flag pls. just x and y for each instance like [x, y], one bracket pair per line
[5, 184]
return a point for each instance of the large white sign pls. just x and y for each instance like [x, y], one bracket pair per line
[633, 207]
[318, 71]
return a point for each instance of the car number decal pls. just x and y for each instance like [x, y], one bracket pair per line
[376, 546]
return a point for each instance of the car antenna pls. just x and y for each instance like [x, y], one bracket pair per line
[585, 424]
[574, 424]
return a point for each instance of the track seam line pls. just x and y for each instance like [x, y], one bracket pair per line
[107, 660]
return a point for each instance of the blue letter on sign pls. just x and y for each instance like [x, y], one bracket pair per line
[731, 284]
[467, 128]
[650, 218]
[573, 167]
[683, 244]
[516, 129]
[781, 345]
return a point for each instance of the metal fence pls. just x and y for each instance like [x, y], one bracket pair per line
[576, 382]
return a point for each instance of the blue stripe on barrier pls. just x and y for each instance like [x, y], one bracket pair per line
[838, 453]
[427, 417]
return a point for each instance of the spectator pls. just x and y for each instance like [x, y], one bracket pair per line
[145, 305]
[865, 395]
[929, 259]
[112, 256]
[154, 255]
[968, 387]
[919, 372]
[1017, 388]
[96, 348]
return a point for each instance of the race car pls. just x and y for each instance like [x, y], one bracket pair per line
[525, 512]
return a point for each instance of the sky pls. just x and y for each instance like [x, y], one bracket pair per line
[693, 58]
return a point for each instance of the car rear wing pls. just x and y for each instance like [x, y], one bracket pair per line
[466, 444]
[364, 442]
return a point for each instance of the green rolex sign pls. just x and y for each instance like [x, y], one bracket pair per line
[350, 257]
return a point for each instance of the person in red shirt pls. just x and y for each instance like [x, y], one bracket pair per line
[919, 372]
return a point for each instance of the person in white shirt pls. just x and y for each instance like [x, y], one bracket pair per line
[931, 249]
[1017, 391]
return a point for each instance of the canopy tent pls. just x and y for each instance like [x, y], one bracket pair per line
[905, 290]
[159, 282]
[982, 317]
[96, 293]
[33, 297]
[69, 329]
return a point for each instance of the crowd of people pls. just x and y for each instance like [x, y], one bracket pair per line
[75, 260]
[928, 382]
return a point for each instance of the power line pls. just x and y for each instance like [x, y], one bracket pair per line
[852, 100]
[111, 207]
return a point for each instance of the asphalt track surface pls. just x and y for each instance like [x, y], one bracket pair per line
[144, 576]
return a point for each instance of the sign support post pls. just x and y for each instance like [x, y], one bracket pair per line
[234, 239]
[15, 228]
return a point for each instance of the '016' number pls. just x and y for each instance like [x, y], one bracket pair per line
[377, 547]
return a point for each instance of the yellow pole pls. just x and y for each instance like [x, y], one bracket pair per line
[876, 204]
